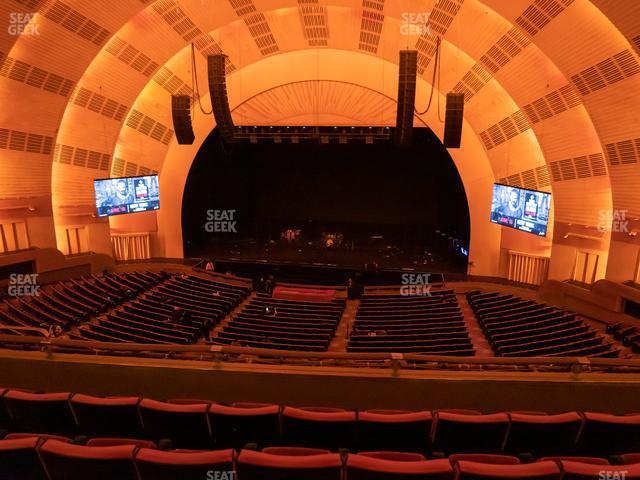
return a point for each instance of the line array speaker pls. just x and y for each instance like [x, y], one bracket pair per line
[181, 113]
[219, 100]
[406, 96]
[453, 120]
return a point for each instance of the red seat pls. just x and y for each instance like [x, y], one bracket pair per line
[406, 432]
[19, 459]
[252, 465]
[542, 435]
[319, 429]
[294, 451]
[457, 433]
[66, 461]
[112, 442]
[185, 425]
[41, 436]
[591, 460]
[587, 471]
[630, 458]
[107, 416]
[160, 465]
[41, 412]
[604, 434]
[361, 467]
[234, 427]
[488, 471]
[484, 458]
[397, 456]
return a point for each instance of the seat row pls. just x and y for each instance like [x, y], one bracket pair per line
[516, 327]
[283, 324]
[46, 458]
[430, 324]
[194, 423]
[70, 303]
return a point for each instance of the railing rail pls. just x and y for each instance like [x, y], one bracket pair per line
[255, 355]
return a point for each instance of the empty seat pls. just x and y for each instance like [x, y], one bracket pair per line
[395, 431]
[360, 467]
[589, 471]
[234, 427]
[486, 471]
[542, 435]
[397, 456]
[107, 417]
[185, 425]
[592, 460]
[160, 465]
[318, 429]
[484, 458]
[458, 433]
[41, 412]
[630, 458]
[252, 465]
[295, 451]
[604, 434]
[66, 461]
[19, 459]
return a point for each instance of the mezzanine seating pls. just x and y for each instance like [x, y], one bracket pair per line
[283, 324]
[524, 328]
[430, 324]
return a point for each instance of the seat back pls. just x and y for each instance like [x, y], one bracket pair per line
[185, 425]
[604, 434]
[318, 429]
[40, 412]
[19, 459]
[484, 458]
[160, 465]
[66, 461]
[234, 427]
[404, 432]
[486, 471]
[360, 467]
[458, 433]
[107, 417]
[252, 465]
[542, 435]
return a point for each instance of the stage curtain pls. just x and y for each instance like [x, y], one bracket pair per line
[131, 246]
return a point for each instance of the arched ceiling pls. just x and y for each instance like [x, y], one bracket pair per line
[552, 86]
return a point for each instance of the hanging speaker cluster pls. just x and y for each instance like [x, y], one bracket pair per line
[453, 120]
[181, 113]
[406, 97]
[219, 99]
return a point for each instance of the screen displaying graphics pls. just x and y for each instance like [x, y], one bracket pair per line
[117, 196]
[522, 209]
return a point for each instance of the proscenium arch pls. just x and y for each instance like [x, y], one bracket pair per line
[476, 176]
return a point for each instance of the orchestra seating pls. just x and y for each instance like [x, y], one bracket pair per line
[283, 324]
[516, 327]
[67, 304]
[66, 435]
[179, 310]
[430, 324]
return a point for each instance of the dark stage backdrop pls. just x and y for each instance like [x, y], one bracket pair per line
[356, 189]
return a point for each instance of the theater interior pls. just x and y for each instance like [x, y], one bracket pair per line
[261, 240]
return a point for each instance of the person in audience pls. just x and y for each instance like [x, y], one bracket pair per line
[177, 314]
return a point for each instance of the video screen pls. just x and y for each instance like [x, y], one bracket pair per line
[118, 196]
[522, 209]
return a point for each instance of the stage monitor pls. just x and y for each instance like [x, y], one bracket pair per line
[522, 209]
[118, 196]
